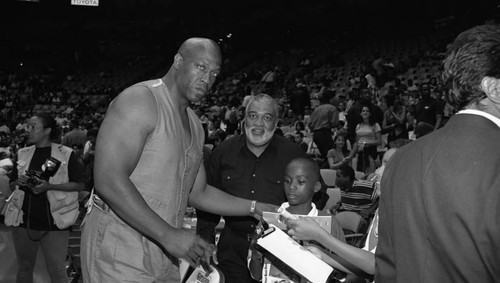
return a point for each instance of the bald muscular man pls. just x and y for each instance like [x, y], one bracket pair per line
[148, 165]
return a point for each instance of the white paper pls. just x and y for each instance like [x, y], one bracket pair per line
[295, 256]
[274, 218]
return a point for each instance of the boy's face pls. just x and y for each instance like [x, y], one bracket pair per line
[300, 183]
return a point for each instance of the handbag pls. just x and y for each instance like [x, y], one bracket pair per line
[12, 211]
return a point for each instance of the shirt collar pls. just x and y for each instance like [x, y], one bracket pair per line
[488, 116]
[313, 212]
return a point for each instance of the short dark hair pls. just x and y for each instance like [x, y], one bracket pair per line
[49, 122]
[311, 164]
[326, 96]
[473, 55]
[77, 145]
[347, 171]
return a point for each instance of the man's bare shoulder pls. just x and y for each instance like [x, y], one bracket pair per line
[135, 105]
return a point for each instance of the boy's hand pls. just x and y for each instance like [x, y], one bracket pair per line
[316, 251]
[305, 229]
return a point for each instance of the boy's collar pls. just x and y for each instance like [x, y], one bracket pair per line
[312, 212]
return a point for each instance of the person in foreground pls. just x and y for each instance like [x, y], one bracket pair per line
[439, 216]
[301, 182]
[148, 166]
[364, 259]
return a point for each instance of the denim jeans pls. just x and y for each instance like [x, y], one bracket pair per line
[54, 247]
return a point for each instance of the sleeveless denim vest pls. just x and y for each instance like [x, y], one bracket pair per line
[167, 168]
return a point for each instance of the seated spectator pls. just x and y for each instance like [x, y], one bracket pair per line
[300, 127]
[5, 141]
[299, 139]
[340, 154]
[215, 134]
[288, 119]
[356, 195]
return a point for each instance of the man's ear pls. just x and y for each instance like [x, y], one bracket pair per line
[178, 60]
[317, 186]
[48, 131]
[491, 86]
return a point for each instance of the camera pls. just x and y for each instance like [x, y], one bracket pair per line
[33, 177]
[49, 169]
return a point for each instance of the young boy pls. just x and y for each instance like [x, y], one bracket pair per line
[301, 182]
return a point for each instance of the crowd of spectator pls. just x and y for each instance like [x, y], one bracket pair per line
[389, 81]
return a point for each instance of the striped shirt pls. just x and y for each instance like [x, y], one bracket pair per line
[359, 197]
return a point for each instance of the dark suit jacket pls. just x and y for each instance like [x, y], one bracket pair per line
[440, 207]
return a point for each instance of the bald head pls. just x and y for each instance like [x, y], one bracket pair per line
[194, 70]
[196, 46]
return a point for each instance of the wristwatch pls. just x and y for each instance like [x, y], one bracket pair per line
[252, 206]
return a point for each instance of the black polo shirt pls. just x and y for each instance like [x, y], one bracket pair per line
[234, 169]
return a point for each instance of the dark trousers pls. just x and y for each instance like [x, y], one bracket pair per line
[323, 139]
[232, 252]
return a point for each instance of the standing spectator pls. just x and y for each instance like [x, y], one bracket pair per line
[342, 112]
[91, 138]
[439, 214]
[368, 138]
[323, 119]
[299, 99]
[41, 227]
[75, 135]
[354, 113]
[394, 122]
[249, 165]
[428, 112]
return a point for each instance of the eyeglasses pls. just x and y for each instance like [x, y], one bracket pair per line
[31, 127]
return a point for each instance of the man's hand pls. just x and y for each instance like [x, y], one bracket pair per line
[187, 245]
[261, 207]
